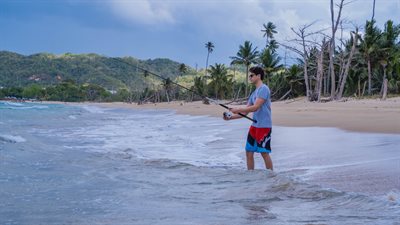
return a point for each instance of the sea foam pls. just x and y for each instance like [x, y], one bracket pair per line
[11, 138]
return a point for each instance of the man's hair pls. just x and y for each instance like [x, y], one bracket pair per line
[257, 70]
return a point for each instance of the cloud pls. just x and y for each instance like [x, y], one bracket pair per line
[143, 11]
[243, 19]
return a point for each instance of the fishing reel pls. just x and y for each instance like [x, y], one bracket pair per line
[227, 115]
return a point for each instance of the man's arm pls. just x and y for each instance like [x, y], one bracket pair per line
[236, 116]
[249, 108]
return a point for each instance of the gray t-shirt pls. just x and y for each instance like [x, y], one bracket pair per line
[263, 114]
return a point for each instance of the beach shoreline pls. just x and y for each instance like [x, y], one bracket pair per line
[366, 115]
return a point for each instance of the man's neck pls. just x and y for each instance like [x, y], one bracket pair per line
[259, 83]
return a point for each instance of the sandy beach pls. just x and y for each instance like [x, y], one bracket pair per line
[367, 115]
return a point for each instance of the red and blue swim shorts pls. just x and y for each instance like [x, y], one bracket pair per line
[259, 140]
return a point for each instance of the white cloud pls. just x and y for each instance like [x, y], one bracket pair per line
[243, 19]
[143, 11]
[245, 16]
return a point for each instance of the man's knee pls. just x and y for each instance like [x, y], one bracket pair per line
[249, 154]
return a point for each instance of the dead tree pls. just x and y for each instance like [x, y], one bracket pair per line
[343, 76]
[332, 48]
[320, 70]
[304, 42]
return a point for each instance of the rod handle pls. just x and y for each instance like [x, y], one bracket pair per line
[241, 114]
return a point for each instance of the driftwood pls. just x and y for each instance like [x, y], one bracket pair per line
[284, 96]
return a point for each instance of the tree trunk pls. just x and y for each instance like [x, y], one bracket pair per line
[306, 78]
[384, 85]
[208, 54]
[247, 81]
[347, 68]
[305, 56]
[332, 73]
[326, 78]
[166, 92]
[320, 73]
[332, 49]
[369, 76]
[284, 96]
[373, 11]
[364, 86]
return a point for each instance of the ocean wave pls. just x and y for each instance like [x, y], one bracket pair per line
[72, 117]
[11, 138]
[22, 106]
[94, 109]
[13, 104]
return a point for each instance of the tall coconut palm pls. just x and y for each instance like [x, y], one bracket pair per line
[246, 55]
[373, 11]
[269, 31]
[210, 48]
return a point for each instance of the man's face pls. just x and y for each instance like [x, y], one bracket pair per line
[253, 77]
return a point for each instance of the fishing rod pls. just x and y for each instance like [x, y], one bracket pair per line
[169, 80]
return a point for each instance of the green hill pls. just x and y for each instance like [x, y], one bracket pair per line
[48, 69]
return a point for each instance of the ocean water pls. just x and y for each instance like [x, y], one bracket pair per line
[68, 164]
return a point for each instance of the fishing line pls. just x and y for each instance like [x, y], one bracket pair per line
[169, 80]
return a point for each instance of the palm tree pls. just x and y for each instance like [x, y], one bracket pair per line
[294, 77]
[269, 31]
[387, 52]
[368, 47]
[273, 45]
[210, 48]
[199, 86]
[221, 82]
[246, 56]
[270, 62]
[183, 69]
[167, 86]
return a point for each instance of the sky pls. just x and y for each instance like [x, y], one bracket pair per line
[174, 29]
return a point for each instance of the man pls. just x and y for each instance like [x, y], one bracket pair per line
[259, 137]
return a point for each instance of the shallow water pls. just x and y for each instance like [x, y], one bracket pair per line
[87, 165]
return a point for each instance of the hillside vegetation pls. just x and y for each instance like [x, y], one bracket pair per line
[48, 69]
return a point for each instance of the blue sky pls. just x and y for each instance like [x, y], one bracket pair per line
[175, 29]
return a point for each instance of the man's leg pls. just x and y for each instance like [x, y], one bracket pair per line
[250, 160]
[267, 160]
